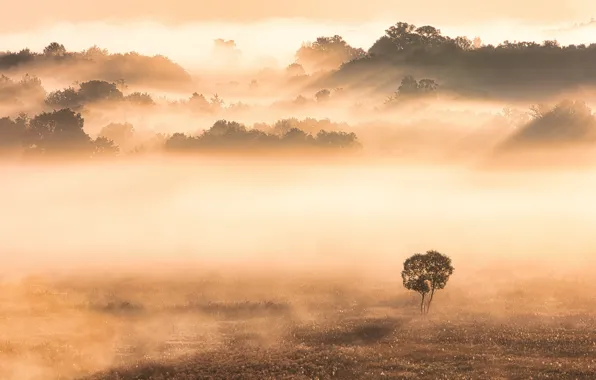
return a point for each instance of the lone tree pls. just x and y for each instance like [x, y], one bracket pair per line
[425, 273]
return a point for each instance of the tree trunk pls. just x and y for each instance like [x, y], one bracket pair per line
[432, 293]
[422, 304]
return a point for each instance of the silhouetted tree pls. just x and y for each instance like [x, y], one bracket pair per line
[427, 86]
[95, 53]
[140, 99]
[132, 67]
[98, 90]
[226, 133]
[216, 103]
[28, 89]
[54, 50]
[337, 139]
[297, 137]
[198, 102]
[566, 122]
[511, 68]
[12, 132]
[425, 273]
[295, 69]
[408, 86]
[323, 95]
[281, 127]
[230, 134]
[57, 132]
[104, 147]
[181, 142]
[67, 98]
[326, 53]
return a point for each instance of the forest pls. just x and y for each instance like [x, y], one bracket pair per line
[406, 74]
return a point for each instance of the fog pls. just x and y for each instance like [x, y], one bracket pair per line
[293, 213]
[237, 197]
[269, 42]
[167, 235]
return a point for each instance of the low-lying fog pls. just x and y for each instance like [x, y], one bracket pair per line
[305, 214]
[171, 257]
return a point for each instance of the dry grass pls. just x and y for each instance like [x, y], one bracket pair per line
[217, 326]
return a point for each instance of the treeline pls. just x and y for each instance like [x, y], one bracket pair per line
[97, 63]
[567, 122]
[61, 132]
[459, 64]
[27, 89]
[232, 135]
[51, 133]
[94, 91]
[30, 91]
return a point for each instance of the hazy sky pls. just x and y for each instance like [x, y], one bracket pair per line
[30, 13]
[184, 30]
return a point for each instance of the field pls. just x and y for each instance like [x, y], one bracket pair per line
[279, 325]
[293, 272]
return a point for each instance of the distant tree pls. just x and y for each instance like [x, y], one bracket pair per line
[104, 147]
[567, 122]
[12, 132]
[281, 127]
[95, 53]
[225, 128]
[551, 44]
[327, 53]
[28, 89]
[140, 99]
[297, 137]
[295, 69]
[67, 98]
[57, 132]
[323, 95]
[99, 90]
[401, 34]
[198, 102]
[463, 43]
[408, 86]
[216, 103]
[31, 85]
[427, 86]
[425, 273]
[54, 50]
[180, 142]
[337, 139]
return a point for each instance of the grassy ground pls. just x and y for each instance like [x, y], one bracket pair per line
[216, 327]
[398, 349]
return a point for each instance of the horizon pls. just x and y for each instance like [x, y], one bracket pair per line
[259, 45]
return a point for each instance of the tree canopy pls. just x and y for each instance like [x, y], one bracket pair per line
[425, 273]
